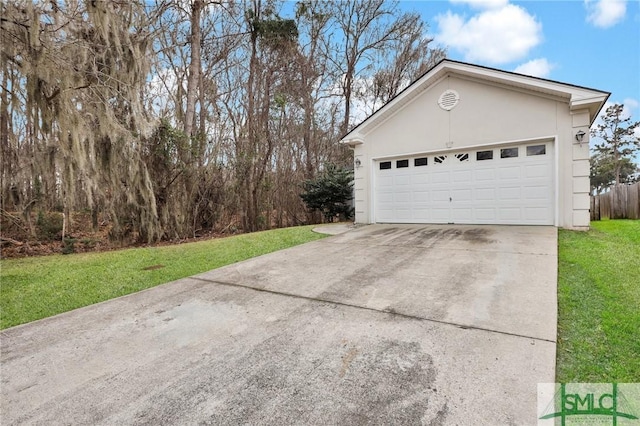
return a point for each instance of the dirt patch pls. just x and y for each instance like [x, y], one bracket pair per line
[153, 267]
[43, 236]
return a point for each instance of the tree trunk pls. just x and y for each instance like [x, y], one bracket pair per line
[347, 101]
[250, 215]
[5, 149]
[616, 156]
[194, 67]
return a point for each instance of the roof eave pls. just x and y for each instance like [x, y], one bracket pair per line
[594, 104]
[352, 141]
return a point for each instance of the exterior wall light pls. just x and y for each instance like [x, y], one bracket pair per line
[580, 136]
[358, 163]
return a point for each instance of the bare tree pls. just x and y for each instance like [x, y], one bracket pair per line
[367, 27]
[406, 58]
[171, 118]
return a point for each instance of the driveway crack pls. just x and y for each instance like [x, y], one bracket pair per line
[381, 311]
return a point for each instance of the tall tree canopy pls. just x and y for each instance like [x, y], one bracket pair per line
[170, 118]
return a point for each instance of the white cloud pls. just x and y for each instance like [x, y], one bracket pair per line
[536, 67]
[631, 103]
[495, 36]
[628, 106]
[482, 4]
[605, 13]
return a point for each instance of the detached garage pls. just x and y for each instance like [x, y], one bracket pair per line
[467, 144]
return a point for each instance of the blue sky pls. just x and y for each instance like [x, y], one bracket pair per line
[592, 43]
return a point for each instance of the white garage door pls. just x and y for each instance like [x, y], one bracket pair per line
[504, 185]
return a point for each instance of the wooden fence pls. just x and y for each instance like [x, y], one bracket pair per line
[620, 202]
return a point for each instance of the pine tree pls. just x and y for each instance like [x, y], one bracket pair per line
[620, 142]
[330, 193]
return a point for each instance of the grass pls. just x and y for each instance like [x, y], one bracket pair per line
[35, 288]
[599, 303]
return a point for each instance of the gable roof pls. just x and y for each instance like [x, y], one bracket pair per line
[578, 97]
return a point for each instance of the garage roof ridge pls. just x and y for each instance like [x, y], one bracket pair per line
[580, 96]
[518, 75]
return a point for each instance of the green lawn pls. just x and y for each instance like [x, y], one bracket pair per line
[599, 303]
[38, 287]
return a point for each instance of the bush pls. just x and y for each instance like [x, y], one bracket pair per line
[49, 225]
[330, 192]
[69, 245]
[89, 243]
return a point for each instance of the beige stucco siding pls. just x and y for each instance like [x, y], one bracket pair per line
[419, 126]
[485, 114]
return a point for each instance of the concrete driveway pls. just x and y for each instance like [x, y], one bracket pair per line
[384, 324]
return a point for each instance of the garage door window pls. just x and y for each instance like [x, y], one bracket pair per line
[420, 162]
[402, 163]
[484, 155]
[462, 157]
[536, 150]
[385, 165]
[439, 159]
[508, 152]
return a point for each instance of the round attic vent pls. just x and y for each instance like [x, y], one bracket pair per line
[448, 100]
